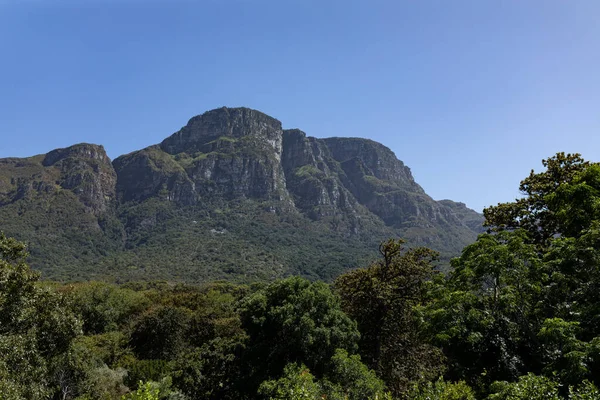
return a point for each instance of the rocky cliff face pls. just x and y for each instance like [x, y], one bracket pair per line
[83, 169]
[349, 175]
[63, 205]
[288, 202]
[242, 153]
[313, 177]
[86, 170]
[227, 153]
[374, 159]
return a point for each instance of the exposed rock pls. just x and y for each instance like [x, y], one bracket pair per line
[205, 129]
[227, 153]
[339, 175]
[152, 173]
[79, 151]
[238, 168]
[83, 169]
[87, 171]
[313, 177]
[377, 160]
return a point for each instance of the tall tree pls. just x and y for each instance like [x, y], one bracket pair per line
[532, 212]
[523, 298]
[36, 327]
[485, 316]
[293, 321]
[382, 298]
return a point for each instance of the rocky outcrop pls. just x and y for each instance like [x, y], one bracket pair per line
[231, 153]
[467, 217]
[84, 169]
[202, 131]
[313, 177]
[234, 172]
[152, 173]
[349, 175]
[228, 153]
[374, 159]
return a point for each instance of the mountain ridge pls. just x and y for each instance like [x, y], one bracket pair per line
[241, 163]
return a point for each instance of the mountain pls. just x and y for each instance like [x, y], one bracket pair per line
[231, 195]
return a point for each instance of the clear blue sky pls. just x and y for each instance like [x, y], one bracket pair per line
[470, 94]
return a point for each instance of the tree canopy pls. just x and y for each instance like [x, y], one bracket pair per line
[516, 317]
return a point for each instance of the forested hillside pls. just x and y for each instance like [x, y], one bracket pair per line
[517, 317]
[231, 195]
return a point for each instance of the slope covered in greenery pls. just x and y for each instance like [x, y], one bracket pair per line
[517, 318]
[231, 195]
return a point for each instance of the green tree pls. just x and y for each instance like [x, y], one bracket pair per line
[573, 260]
[441, 390]
[485, 317]
[524, 297]
[23, 371]
[576, 204]
[104, 383]
[534, 211]
[565, 356]
[211, 371]
[382, 299]
[145, 391]
[528, 387]
[17, 284]
[36, 327]
[104, 307]
[293, 321]
[160, 333]
[215, 316]
[350, 379]
[535, 387]
[297, 383]
[585, 391]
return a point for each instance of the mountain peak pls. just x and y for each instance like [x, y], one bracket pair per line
[290, 203]
[81, 150]
[222, 122]
[233, 112]
[380, 161]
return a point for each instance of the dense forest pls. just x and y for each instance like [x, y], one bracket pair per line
[516, 317]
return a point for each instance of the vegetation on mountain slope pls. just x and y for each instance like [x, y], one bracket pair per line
[517, 317]
[232, 195]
